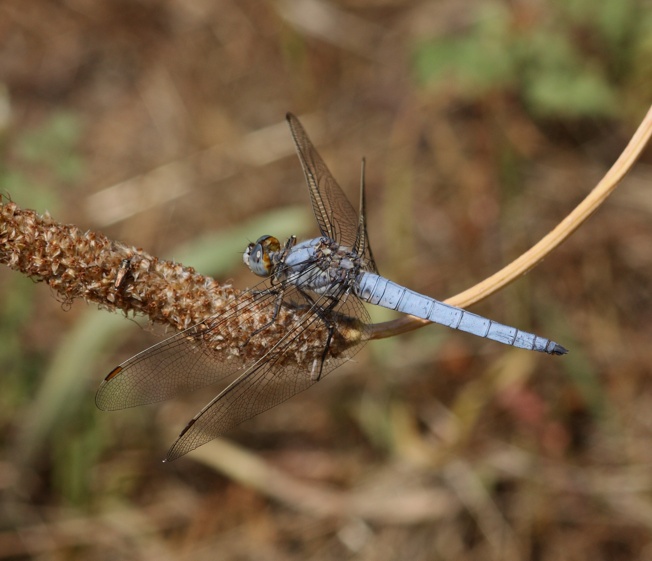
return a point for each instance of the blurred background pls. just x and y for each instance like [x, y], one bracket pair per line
[161, 124]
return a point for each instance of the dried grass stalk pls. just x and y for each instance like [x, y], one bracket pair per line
[538, 252]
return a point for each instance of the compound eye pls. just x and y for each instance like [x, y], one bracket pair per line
[258, 256]
[269, 243]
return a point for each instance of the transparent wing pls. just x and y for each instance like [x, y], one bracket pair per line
[208, 351]
[362, 246]
[183, 362]
[205, 354]
[202, 354]
[269, 381]
[336, 217]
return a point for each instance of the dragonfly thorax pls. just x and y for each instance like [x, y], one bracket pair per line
[319, 265]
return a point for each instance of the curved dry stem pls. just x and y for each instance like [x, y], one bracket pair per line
[538, 252]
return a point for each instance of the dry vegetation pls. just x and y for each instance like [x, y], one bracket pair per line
[161, 124]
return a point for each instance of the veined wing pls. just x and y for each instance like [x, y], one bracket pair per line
[272, 379]
[336, 217]
[181, 363]
[362, 246]
[202, 354]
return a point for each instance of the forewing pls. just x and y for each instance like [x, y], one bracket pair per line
[185, 361]
[336, 217]
[268, 382]
[362, 246]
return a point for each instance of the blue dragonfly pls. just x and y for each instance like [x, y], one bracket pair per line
[323, 282]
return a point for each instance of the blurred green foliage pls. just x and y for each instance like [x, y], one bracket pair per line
[38, 163]
[40, 157]
[567, 61]
[53, 145]
[18, 371]
[35, 160]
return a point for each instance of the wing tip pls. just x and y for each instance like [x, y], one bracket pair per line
[175, 450]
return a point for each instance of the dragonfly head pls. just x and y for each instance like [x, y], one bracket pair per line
[258, 257]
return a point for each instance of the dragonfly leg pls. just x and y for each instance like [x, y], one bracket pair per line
[277, 307]
[292, 240]
[322, 313]
[315, 376]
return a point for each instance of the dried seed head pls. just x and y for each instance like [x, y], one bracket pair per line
[88, 265]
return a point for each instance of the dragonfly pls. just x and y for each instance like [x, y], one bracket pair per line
[321, 284]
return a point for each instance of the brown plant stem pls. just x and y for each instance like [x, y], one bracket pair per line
[538, 252]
